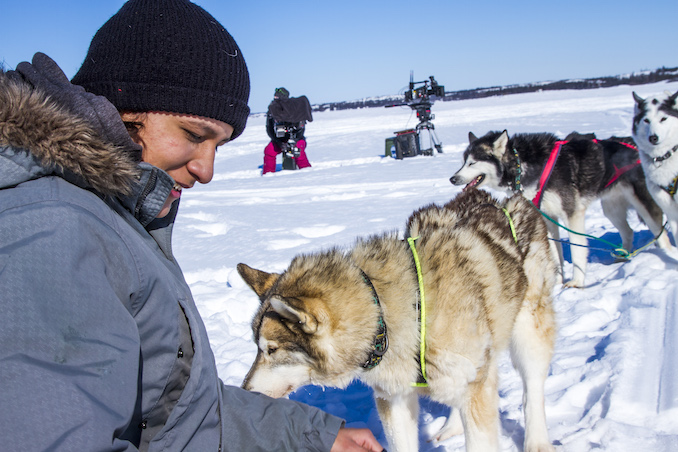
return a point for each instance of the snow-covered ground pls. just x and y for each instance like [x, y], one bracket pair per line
[613, 383]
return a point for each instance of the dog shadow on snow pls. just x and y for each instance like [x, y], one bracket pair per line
[356, 405]
[602, 252]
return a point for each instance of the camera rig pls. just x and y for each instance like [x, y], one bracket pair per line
[289, 149]
[418, 98]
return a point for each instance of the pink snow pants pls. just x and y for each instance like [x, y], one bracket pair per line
[272, 150]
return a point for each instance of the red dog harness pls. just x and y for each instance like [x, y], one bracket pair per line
[546, 173]
[551, 162]
[619, 171]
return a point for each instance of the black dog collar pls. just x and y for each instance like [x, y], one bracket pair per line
[380, 344]
[666, 156]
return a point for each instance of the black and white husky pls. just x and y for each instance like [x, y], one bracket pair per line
[563, 177]
[655, 130]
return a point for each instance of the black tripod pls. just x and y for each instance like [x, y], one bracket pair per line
[290, 152]
[424, 115]
[289, 148]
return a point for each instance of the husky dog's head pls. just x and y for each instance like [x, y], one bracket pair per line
[306, 329]
[482, 161]
[655, 123]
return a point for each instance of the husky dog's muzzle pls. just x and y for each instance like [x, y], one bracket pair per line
[456, 180]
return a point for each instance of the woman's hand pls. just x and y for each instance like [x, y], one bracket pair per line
[356, 440]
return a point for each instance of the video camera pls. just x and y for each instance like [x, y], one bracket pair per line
[418, 97]
[426, 88]
[407, 143]
[286, 129]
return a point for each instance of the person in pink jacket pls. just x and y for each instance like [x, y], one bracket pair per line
[286, 122]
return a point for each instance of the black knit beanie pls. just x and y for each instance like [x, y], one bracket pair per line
[168, 55]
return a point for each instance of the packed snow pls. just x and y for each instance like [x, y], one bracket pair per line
[613, 382]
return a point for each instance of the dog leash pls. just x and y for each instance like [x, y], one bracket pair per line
[617, 252]
[648, 244]
[621, 252]
[422, 315]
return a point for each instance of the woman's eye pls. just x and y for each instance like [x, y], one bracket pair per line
[195, 137]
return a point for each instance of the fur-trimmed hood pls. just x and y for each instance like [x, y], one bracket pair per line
[39, 137]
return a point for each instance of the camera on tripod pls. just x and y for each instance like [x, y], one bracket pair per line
[407, 143]
[423, 92]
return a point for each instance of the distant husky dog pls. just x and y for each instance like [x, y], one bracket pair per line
[585, 170]
[655, 130]
[337, 316]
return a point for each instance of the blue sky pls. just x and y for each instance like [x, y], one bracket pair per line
[347, 50]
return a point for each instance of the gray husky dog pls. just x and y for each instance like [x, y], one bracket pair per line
[474, 277]
[585, 170]
[655, 130]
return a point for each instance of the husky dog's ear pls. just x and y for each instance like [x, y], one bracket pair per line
[500, 144]
[258, 280]
[306, 321]
[639, 100]
[672, 99]
[471, 138]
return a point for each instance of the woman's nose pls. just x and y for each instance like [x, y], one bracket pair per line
[202, 166]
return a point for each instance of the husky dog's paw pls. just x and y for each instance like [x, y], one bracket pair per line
[573, 283]
[453, 426]
[540, 448]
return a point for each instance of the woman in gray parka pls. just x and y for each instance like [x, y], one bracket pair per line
[101, 345]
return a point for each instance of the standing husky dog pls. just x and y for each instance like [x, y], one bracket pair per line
[584, 171]
[334, 316]
[655, 130]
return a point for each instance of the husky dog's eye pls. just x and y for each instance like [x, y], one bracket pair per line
[663, 119]
[646, 120]
[272, 349]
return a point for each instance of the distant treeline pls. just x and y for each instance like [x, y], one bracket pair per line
[642, 78]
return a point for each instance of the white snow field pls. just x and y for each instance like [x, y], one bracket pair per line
[613, 382]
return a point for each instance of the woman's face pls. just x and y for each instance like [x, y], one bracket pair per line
[184, 146]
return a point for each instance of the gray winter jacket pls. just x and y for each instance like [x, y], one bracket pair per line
[101, 345]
